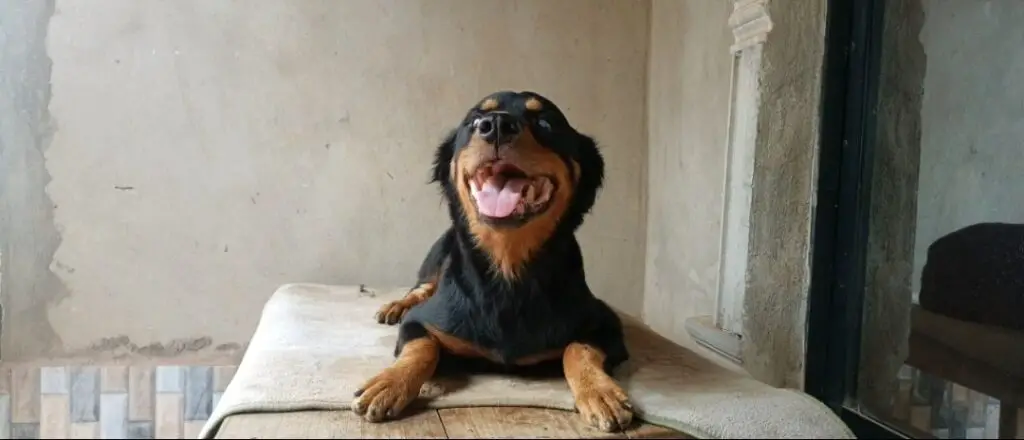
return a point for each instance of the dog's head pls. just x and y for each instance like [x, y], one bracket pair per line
[516, 174]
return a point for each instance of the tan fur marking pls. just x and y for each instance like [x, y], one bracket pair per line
[390, 391]
[510, 248]
[534, 104]
[600, 400]
[489, 104]
[540, 357]
[460, 347]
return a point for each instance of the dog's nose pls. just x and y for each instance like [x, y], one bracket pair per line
[498, 128]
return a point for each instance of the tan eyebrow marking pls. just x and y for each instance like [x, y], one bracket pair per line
[534, 104]
[489, 104]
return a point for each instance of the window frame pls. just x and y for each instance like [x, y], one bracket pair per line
[848, 126]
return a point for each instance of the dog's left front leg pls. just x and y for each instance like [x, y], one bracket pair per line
[602, 403]
[393, 312]
[390, 391]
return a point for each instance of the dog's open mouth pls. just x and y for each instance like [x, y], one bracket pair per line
[504, 192]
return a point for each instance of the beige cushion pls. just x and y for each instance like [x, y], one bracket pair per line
[316, 343]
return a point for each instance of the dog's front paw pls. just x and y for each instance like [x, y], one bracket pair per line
[604, 405]
[385, 396]
[392, 312]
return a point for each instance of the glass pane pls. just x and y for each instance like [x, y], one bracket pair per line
[943, 331]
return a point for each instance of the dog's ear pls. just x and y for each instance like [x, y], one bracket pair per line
[443, 158]
[591, 177]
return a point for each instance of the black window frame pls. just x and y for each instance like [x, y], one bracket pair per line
[847, 131]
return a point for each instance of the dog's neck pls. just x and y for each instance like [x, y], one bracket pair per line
[538, 266]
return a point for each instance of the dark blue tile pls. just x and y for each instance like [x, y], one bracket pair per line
[140, 430]
[24, 430]
[958, 420]
[921, 389]
[85, 394]
[940, 400]
[198, 393]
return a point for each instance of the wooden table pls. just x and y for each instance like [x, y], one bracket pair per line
[478, 422]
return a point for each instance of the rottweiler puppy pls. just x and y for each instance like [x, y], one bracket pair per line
[504, 286]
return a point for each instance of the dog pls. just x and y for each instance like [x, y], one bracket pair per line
[504, 286]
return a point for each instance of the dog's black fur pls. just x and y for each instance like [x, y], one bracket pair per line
[548, 305]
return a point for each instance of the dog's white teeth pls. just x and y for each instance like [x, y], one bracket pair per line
[531, 193]
[545, 191]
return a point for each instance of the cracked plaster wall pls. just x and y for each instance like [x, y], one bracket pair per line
[167, 164]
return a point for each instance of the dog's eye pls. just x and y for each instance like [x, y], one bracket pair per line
[544, 124]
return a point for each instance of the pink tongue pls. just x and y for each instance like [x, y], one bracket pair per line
[498, 198]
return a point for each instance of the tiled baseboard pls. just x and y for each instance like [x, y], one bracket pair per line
[115, 401]
[943, 408]
[174, 401]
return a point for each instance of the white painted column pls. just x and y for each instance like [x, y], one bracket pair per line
[750, 25]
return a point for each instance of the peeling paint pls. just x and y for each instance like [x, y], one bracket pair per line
[122, 345]
[230, 346]
[28, 236]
